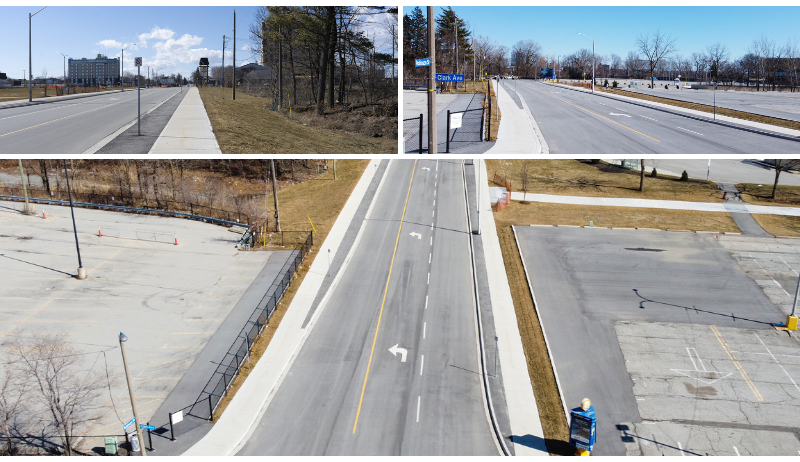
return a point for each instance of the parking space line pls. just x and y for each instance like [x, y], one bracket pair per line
[736, 363]
[776, 361]
[736, 451]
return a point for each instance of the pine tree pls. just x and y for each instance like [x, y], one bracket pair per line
[446, 25]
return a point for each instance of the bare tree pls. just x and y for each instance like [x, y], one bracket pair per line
[633, 65]
[13, 396]
[780, 166]
[55, 371]
[655, 48]
[641, 176]
[616, 64]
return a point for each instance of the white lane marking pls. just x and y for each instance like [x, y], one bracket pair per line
[654, 120]
[421, 364]
[679, 128]
[765, 272]
[431, 226]
[681, 448]
[403, 352]
[426, 302]
[429, 258]
[429, 278]
[737, 451]
[784, 262]
[418, 235]
[434, 193]
[639, 399]
[426, 168]
[424, 328]
[434, 202]
[615, 114]
[776, 362]
[431, 240]
[433, 213]
[434, 184]
[419, 398]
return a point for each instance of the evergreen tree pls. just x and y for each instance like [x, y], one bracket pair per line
[447, 24]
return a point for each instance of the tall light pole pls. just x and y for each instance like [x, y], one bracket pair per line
[122, 67]
[122, 339]
[26, 210]
[65, 66]
[581, 33]
[30, 58]
[81, 270]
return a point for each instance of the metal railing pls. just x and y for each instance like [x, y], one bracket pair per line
[412, 134]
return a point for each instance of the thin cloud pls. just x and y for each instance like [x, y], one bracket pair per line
[156, 33]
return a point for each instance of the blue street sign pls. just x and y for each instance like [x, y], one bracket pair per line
[130, 422]
[449, 77]
[422, 62]
[583, 428]
[147, 427]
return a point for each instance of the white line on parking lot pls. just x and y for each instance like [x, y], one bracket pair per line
[679, 128]
[776, 362]
[784, 262]
[736, 451]
[681, 448]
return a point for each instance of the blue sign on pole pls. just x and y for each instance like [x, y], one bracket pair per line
[130, 422]
[583, 428]
[449, 77]
[147, 427]
[422, 62]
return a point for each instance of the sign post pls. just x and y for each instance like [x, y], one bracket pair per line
[139, 93]
[583, 428]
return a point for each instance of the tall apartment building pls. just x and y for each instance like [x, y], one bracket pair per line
[98, 71]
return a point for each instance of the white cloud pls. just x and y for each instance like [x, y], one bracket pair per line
[183, 50]
[245, 48]
[156, 33]
[109, 44]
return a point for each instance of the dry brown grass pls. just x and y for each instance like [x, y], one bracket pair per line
[779, 225]
[706, 108]
[248, 126]
[785, 196]
[570, 177]
[322, 200]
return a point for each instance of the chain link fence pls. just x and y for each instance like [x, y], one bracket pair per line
[470, 129]
[412, 134]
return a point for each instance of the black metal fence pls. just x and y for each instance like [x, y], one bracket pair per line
[470, 129]
[412, 134]
[239, 352]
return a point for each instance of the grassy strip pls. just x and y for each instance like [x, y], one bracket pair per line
[322, 200]
[248, 126]
[571, 177]
[709, 109]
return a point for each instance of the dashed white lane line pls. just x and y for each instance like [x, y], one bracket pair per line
[429, 258]
[654, 120]
[431, 240]
[426, 302]
[736, 451]
[434, 193]
[433, 213]
[424, 328]
[679, 128]
[421, 364]
[429, 278]
[434, 202]
[419, 398]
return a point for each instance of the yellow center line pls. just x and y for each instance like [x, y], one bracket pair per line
[736, 363]
[598, 115]
[65, 117]
[385, 291]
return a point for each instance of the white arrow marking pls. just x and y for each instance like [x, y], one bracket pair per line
[419, 236]
[426, 168]
[702, 375]
[394, 350]
[612, 113]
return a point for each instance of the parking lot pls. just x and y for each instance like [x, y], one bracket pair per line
[168, 298]
[646, 323]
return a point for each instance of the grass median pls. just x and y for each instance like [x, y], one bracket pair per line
[15, 94]
[321, 199]
[247, 126]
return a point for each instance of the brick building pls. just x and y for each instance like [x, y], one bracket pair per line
[101, 70]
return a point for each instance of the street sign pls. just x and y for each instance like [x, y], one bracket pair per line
[176, 417]
[130, 422]
[138, 62]
[455, 120]
[449, 77]
[422, 62]
[147, 427]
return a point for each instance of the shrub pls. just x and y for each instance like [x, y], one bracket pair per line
[684, 176]
[614, 84]
[653, 174]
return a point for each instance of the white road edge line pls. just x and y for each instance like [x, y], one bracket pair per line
[421, 364]
[419, 398]
[679, 128]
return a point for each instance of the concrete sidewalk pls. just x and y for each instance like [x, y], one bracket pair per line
[245, 410]
[189, 130]
[526, 427]
[739, 207]
[518, 131]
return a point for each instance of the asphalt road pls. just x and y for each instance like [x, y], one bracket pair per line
[585, 280]
[575, 122]
[725, 171]
[429, 404]
[72, 126]
[783, 105]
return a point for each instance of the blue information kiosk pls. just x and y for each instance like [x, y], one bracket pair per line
[583, 428]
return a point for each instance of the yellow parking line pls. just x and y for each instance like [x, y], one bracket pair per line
[736, 363]
[385, 291]
[598, 115]
[29, 316]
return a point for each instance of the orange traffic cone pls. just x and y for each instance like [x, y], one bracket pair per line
[99, 233]
[43, 214]
[176, 239]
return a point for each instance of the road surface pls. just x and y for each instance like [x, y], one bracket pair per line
[575, 122]
[391, 367]
[72, 126]
[725, 171]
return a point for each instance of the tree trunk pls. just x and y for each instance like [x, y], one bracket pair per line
[641, 177]
[323, 67]
[778, 168]
[332, 63]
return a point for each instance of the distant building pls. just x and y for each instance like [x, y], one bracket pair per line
[101, 70]
[253, 71]
[203, 68]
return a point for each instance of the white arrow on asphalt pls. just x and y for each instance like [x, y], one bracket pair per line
[611, 113]
[395, 349]
[419, 236]
[702, 375]
[426, 168]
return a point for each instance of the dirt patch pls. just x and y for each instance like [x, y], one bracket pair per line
[372, 121]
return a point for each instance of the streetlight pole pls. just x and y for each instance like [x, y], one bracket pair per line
[26, 210]
[65, 67]
[122, 339]
[81, 270]
[122, 67]
[581, 33]
[30, 57]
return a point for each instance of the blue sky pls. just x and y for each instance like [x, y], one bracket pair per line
[172, 38]
[614, 29]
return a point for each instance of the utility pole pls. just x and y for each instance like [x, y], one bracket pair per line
[234, 55]
[431, 84]
[275, 195]
[393, 54]
[223, 61]
[27, 210]
[455, 31]
[122, 339]
[81, 270]
[280, 69]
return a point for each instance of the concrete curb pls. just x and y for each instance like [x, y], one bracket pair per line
[250, 402]
[515, 134]
[55, 99]
[189, 130]
[523, 412]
